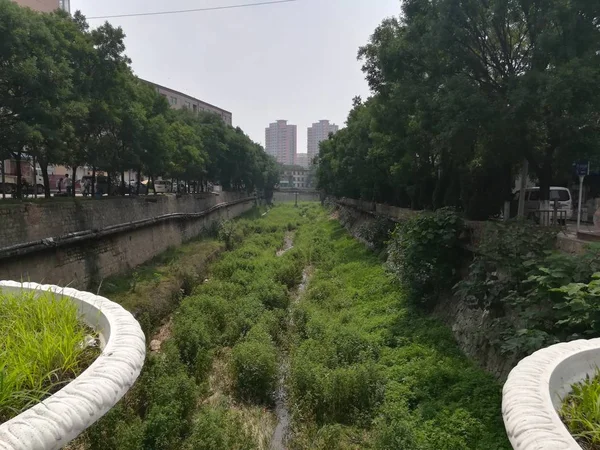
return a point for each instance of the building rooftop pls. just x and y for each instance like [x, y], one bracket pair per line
[184, 94]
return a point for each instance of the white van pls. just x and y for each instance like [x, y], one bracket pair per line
[561, 194]
[162, 186]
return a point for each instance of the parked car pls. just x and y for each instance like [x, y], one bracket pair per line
[532, 202]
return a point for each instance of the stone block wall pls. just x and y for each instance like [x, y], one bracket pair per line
[82, 264]
[283, 197]
[30, 221]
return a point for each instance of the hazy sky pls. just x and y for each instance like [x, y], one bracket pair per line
[294, 61]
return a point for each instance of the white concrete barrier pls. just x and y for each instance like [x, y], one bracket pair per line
[534, 391]
[60, 418]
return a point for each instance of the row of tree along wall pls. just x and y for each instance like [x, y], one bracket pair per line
[79, 242]
[471, 324]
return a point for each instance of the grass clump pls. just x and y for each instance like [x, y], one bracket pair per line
[43, 348]
[581, 412]
[254, 366]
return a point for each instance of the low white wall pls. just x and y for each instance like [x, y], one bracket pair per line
[534, 391]
[63, 416]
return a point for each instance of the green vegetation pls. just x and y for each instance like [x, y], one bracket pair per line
[463, 92]
[581, 412]
[153, 290]
[43, 348]
[366, 369]
[209, 385]
[370, 371]
[425, 252]
[70, 97]
[533, 295]
[537, 296]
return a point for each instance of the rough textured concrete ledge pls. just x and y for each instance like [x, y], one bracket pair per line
[63, 416]
[534, 391]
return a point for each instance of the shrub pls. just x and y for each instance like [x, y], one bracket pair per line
[230, 233]
[376, 232]
[254, 370]
[191, 335]
[270, 293]
[218, 429]
[288, 272]
[346, 395]
[424, 253]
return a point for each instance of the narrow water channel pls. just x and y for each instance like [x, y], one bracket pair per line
[279, 439]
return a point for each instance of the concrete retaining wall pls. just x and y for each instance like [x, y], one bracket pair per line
[30, 221]
[282, 197]
[86, 263]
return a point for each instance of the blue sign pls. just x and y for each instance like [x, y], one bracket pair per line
[582, 168]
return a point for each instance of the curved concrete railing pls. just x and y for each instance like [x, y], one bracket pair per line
[534, 391]
[60, 418]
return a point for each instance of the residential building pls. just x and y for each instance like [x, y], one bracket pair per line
[46, 5]
[302, 160]
[280, 139]
[294, 177]
[179, 100]
[317, 133]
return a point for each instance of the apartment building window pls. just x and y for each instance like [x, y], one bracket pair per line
[195, 108]
[173, 100]
[188, 105]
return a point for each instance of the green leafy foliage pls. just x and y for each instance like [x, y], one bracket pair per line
[461, 97]
[369, 371]
[536, 296]
[69, 97]
[424, 251]
[254, 366]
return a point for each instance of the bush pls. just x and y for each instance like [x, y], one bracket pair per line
[535, 296]
[230, 233]
[272, 294]
[191, 335]
[254, 370]
[288, 272]
[376, 232]
[425, 254]
[218, 429]
[347, 395]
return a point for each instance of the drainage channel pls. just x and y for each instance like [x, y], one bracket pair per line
[279, 439]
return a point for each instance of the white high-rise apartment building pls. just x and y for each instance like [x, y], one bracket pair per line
[316, 134]
[281, 142]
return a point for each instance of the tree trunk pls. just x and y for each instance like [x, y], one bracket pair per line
[93, 182]
[139, 181]
[153, 185]
[34, 179]
[3, 180]
[73, 180]
[44, 169]
[123, 183]
[19, 176]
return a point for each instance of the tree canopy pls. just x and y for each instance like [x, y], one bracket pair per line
[463, 92]
[68, 97]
